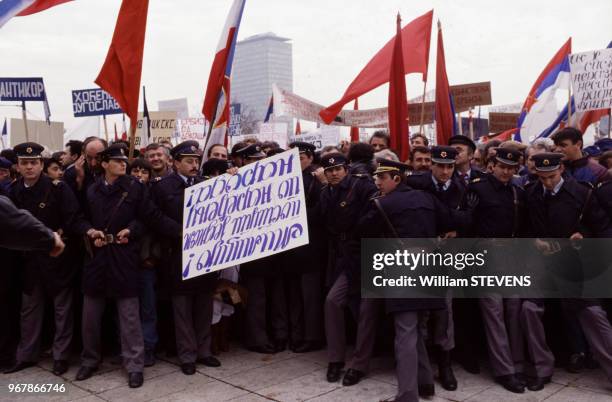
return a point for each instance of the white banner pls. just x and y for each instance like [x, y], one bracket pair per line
[290, 104]
[233, 219]
[326, 135]
[591, 76]
[192, 129]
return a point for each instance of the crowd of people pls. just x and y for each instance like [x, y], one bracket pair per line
[117, 291]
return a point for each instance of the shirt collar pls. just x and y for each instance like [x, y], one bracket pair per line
[446, 184]
[557, 188]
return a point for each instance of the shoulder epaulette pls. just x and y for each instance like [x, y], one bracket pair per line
[56, 182]
[360, 175]
[476, 180]
[603, 183]
[586, 184]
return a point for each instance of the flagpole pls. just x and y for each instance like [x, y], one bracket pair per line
[423, 107]
[25, 120]
[569, 106]
[460, 125]
[610, 123]
[105, 127]
[132, 141]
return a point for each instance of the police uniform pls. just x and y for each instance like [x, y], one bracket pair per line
[113, 269]
[192, 301]
[407, 213]
[501, 214]
[340, 207]
[472, 173]
[558, 213]
[53, 204]
[304, 269]
[451, 194]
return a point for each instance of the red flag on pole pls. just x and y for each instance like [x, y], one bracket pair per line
[415, 37]
[40, 5]
[120, 74]
[355, 130]
[298, 128]
[116, 136]
[398, 102]
[445, 113]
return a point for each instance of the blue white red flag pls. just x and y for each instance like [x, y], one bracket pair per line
[270, 110]
[11, 8]
[540, 111]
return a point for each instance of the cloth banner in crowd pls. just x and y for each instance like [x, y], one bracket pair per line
[193, 128]
[39, 131]
[466, 96]
[324, 136]
[591, 78]
[93, 102]
[180, 106]
[163, 126]
[232, 219]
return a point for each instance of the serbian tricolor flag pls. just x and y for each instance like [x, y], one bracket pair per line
[446, 124]
[217, 98]
[11, 8]
[415, 48]
[122, 69]
[539, 112]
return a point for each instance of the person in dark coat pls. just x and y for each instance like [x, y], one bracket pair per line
[501, 214]
[561, 207]
[342, 202]
[464, 169]
[192, 301]
[52, 202]
[303, 267]
[576, 163]
[402, 212]
[119, 206]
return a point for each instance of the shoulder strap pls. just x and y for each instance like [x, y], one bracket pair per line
[587, 201]
[116, 208]
[385, 217]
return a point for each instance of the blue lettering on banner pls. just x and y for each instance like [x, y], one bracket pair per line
[93, 102]
[22, 89]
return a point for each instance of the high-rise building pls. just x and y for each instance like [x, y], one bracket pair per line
[260, 61]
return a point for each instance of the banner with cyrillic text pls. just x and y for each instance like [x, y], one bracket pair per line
[93, 102]
[591, 77]
[255, 213]
[22, 89]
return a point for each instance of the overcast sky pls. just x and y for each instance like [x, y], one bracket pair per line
[505, 42]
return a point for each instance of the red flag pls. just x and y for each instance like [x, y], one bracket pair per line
[41, 5]
[592, 116]
[415, 37]
[116, 136]
[298, 128]
[398, 102]
[445, 114]
[120, 74]
[355, 130]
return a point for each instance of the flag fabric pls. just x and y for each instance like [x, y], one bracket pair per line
[146, 120]
[217, 98]
[355, 130]
[11, 8]
[539, 111]
[415, 38]
[270, 110]
[298, 128]
[116, 136]
[124, 128]
[122, 69]
[4, 136]
[398, 101]
[446, 124]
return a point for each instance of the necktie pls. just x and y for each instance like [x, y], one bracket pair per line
[440, 187]
[190, 181]
[548, 195]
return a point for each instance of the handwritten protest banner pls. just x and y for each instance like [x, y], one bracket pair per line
[466, 96]
[163, 126]
[93, 102]
[502, 121]
[326, 135]
[591, 77]
[192, 129]
[233, 219]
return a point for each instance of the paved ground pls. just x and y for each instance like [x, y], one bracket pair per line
[246, 376]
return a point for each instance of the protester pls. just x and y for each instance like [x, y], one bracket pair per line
[157, 155]
[420, 159]
[380, 140]
[217, 151]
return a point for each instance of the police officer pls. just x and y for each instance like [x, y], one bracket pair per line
[562, 207]
[53, 203]
[501, 214]
[464, 169]
[192, 301]
[119, 205]
[342, 202]
[402, 212]
[304, 266]
[448, 188]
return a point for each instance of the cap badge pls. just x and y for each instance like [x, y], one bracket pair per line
[122, 151]
[509, 156]
[29, 150]
[332, 160]
[545, 162]
[193, 148]
[443, 154]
